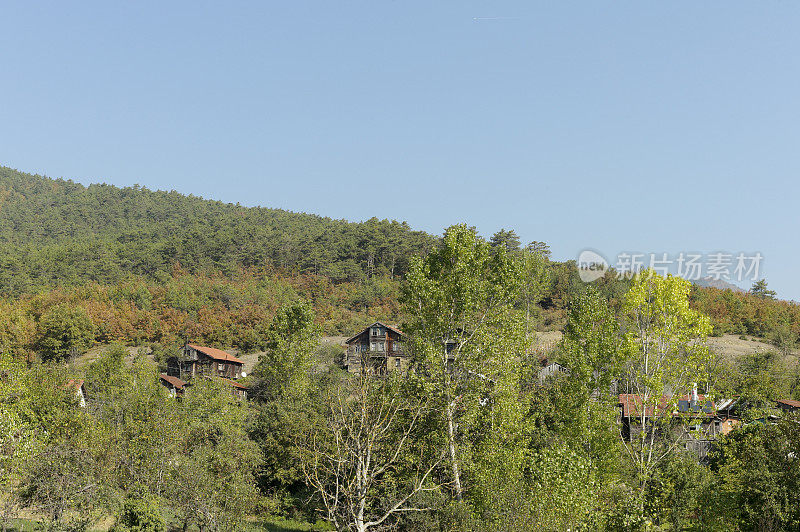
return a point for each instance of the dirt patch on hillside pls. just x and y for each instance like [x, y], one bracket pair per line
[547, 340]
[732, 348]
[94, 353]
[729, 346]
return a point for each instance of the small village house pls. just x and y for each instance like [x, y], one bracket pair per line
[237, 390]
[549, 368]
[377, 349]
[174, 385]
[208, 362]
[196, 360]
[788, 405]
[694, 420]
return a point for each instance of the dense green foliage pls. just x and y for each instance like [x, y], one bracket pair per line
[55, 232]
[131, 448]
[469, 439]
[122, 246]
[64, 331]
[759, 477]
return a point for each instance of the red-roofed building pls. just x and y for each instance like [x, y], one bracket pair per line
[175, 385]
[208, 361]
[694, 419]
[788, 405]
[378, 348]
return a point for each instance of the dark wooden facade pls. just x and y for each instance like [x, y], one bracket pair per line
[696, 421]
[378, 349]
[197, 360]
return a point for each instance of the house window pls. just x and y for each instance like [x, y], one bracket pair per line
[397, 362]
[374, 346]
[398, 347]
[221, 367]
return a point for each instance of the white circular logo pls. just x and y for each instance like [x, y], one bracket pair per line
[591, 265]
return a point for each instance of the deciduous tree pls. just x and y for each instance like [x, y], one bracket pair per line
[368, 461]
[593, 356]
[63, 332]
[667, 356]
[466, 338]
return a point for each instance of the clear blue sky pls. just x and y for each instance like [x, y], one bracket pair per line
[620, 126]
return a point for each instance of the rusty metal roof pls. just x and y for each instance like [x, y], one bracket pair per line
[216, 354]
[365, 329]
[233, 383]
[789, 402]
[174, 381]
[632, 406]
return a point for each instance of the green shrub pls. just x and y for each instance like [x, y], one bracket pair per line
[139, 515]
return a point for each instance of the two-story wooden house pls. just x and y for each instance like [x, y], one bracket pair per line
[378, 349]
[196, 360]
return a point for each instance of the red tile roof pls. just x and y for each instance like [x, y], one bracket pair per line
[789, 402]
[174, 381]
[395, 329]
[216, 354]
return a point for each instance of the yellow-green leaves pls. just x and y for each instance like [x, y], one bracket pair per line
[667, 356]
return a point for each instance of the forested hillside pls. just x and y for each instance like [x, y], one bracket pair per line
[473, 438]
[87, 267]
[153, 266]
[55, 232]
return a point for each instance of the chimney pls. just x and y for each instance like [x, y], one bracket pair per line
[693, 400]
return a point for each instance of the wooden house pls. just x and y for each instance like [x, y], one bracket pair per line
[695, 420]
[549, 368]
[174, 385]
[196, 360]
[788, 405]
[377, 349]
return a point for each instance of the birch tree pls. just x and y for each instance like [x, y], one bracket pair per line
[464, 333]
[535, 281]
[368, 462]
[667, 355]
[18, 437]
